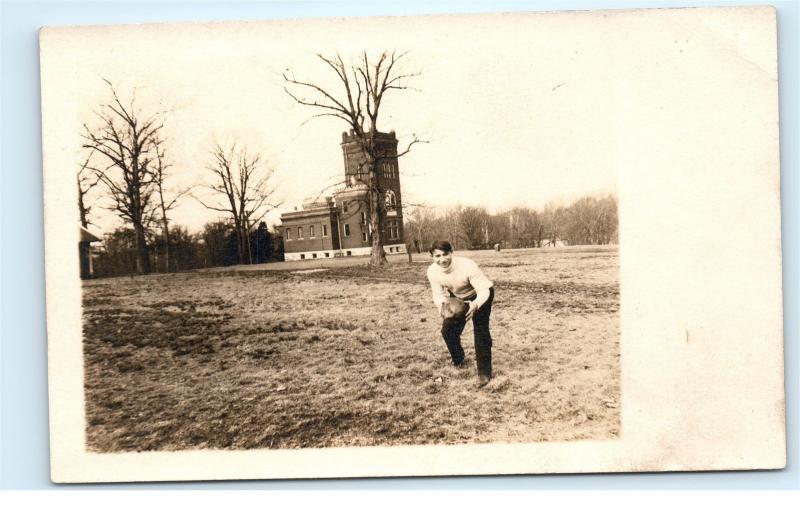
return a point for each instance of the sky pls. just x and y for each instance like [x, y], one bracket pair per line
[511, 106]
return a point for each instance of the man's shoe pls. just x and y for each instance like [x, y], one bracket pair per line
[483, 380]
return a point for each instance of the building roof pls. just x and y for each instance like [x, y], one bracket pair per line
[305, 213]
[316, 206]
[317, 202]
[87, 235]
[357, 188]
[312, 206]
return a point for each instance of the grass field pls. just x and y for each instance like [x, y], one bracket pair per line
[277, 356]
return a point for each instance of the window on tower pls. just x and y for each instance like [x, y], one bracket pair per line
[394, 229]
[347, 230]
[324, 231]
[300, 233]
[311, 231]
[391, 200]
[288, 234]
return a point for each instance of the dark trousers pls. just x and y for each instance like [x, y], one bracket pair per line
[451, 332]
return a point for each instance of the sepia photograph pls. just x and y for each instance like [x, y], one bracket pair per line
[364, 243]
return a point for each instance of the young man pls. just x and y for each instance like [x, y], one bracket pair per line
[461, 277]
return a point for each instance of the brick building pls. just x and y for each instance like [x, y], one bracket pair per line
[338, 225]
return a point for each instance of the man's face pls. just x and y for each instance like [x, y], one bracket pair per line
[442, 258]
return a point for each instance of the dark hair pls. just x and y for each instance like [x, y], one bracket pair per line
[442, 245]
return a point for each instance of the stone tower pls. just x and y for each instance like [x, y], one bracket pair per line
[355, 171]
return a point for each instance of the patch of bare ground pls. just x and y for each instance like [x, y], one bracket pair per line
[350, 357]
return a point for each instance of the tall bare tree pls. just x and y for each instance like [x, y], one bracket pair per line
[421, 227]
[127, 140]
[591, 221]
[167, 199]
[528, 227]
[474, 226]
[244, 187]
[87, 180]
[553, 219]
[355, 97]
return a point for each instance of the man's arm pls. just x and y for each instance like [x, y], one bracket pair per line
[480, 283]
[437, 291]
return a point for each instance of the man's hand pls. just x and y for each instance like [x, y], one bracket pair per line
[473, 306]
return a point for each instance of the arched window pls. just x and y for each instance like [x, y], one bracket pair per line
[388, 170]
[391, 200]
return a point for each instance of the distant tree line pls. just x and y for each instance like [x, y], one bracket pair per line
[587, 221]
[216, 245]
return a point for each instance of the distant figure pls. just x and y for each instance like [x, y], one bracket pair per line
[416, 245]
[454, 280]
[497, 247]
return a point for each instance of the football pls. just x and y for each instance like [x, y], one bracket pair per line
[454, 308]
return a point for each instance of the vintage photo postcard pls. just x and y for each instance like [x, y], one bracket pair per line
[512, 243]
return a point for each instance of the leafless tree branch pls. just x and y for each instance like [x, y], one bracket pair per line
[362, 85]
[244, 186]
[128, 141]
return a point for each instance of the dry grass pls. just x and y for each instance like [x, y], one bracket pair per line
[273, 358]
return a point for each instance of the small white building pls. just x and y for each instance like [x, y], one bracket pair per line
[85, 251]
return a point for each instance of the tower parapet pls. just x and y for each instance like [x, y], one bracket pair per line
[355, 160]
[356, 171]
[351, 136]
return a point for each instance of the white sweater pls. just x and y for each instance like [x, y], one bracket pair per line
[463, 278]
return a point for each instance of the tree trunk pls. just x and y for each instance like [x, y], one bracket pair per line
[247, 242]
[166, 248]
[240, 241]
[142, 258]
[166, 231]
[378, 255]
[240, 244]
[82, 208]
